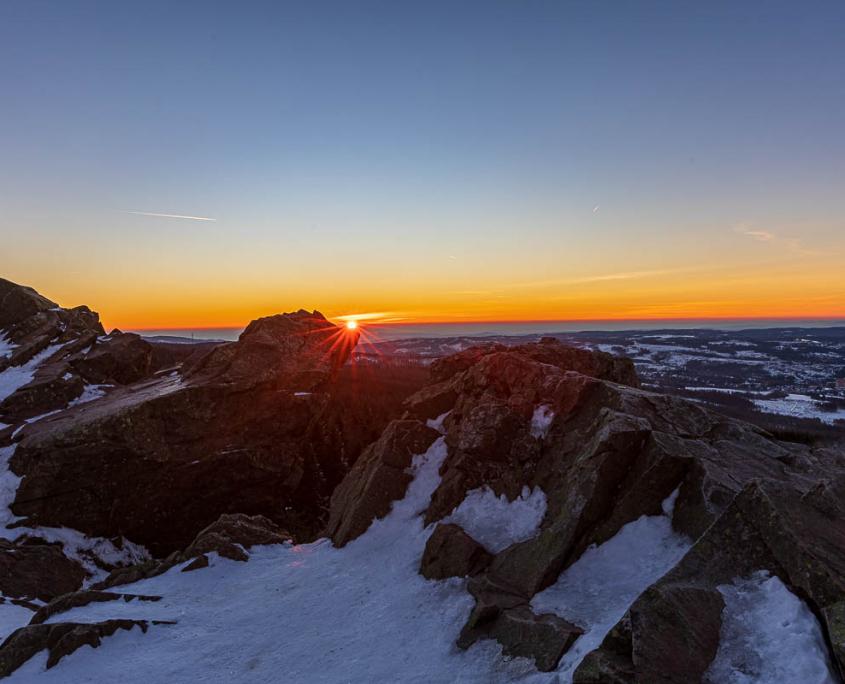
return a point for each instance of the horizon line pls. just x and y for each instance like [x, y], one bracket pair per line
[406, 323]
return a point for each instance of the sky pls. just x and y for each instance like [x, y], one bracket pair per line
[202, 164]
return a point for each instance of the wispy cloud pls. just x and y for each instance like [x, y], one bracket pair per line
[792, 244]
[170, 216]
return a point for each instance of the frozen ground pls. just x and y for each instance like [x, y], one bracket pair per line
[799, 406]
[597, 590]
[768, 635]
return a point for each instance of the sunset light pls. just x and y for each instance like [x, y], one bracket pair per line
[351, 325]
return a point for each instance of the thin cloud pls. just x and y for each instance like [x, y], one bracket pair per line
[792, 244]
[170, 216]
[756, 234]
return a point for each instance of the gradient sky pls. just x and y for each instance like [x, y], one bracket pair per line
[510, 160]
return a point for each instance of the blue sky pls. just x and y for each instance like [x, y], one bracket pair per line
[370, 146]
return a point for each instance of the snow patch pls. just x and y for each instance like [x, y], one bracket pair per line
[90, 393]
[6, 346]
[597, 590]
[799, 406]
[12, 616]
[15, 377]
[495, 522]
[768, 635]
[437, 423]
[541, 421]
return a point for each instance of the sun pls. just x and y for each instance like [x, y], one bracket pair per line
[351, 325]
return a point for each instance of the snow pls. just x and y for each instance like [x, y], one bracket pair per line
[768, 635]
[16, 377]
[597, 590]
[799, 406]
[495, 522]
[310, 613]
[541, 421]
[437, 423]
[12, 616]
[90, 393]
[6, 346]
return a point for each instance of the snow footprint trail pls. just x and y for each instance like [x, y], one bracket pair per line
[768, 635]
[597, 590]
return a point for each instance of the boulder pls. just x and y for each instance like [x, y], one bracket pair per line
[33, 569]
[120, 358]
[451, 552]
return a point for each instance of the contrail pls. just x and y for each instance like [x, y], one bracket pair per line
[173, 216]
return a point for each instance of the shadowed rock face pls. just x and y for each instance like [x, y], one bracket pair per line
[605, 453]
[239, 431]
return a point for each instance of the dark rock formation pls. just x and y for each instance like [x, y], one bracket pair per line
[604, 452]
[231, 536]
[33, 569]
[239, 431]
[59, 639]
[120, 358]
[451, 552]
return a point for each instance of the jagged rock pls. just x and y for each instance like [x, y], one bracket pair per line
[242, 430]
[78, 599]
[33, 569]
[59, 639]
[451, 552]
[522, 633]
[32, 322]
[121, 358]
[605, 453]
[229, 536]
[673, 628]
[378, 478]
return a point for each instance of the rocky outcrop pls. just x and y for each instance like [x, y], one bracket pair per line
[60, 352]
[231, 536]
[77, 599]
[59, 639]
[239, 431]
[33, 569]
[605, 452]
[120, 358]
[451, 552]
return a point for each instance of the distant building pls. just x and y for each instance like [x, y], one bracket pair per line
[840, 383]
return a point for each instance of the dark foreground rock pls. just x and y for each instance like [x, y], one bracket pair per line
[239, 431]
[33, 569]
[451, 552]
[231, 536]
[59, 639]
[605, 453]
